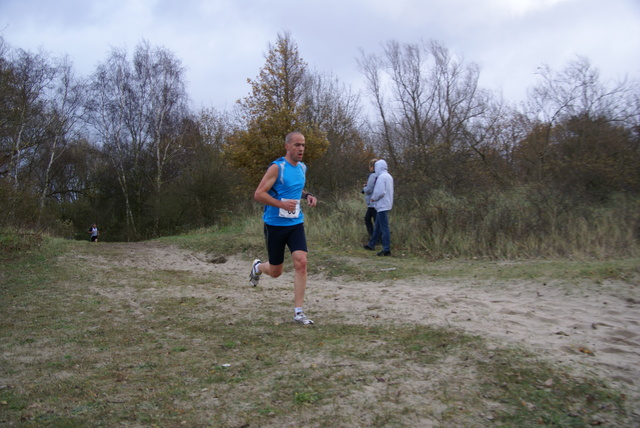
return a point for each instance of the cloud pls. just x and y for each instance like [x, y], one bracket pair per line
[523, 7]
[222, 43]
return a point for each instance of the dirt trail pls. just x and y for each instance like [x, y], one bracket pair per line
[591, 328]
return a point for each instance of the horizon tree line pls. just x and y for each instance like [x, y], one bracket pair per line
[124, 149]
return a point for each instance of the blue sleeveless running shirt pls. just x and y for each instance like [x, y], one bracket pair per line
[288, 185]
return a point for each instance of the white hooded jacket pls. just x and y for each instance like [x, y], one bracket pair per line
[382, 196]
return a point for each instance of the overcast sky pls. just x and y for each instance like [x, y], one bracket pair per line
[224, 42]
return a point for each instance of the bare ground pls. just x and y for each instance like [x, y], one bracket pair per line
[589, 328]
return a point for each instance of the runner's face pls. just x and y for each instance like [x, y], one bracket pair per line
[296, 147]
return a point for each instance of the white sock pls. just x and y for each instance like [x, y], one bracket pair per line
[256, 270]
[297, 311]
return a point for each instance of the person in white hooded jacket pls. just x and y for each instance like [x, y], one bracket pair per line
[382, 199]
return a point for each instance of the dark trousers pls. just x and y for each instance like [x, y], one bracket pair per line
[369, 220]
[381, 231]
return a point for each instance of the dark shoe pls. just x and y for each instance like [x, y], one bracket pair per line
[366, 247]
[384, 253]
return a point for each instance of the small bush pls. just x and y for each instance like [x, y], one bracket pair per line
[12, 242]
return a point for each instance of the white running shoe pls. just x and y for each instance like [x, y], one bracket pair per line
[254, 277]
[301, 318]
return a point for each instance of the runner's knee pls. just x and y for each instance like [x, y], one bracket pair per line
[300, 262]
[275, 271]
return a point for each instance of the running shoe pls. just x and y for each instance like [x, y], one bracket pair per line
[254, 277]
[301, 318]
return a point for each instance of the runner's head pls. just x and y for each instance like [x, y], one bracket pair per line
[294, 145]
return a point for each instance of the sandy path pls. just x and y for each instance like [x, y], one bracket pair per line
[591, 328]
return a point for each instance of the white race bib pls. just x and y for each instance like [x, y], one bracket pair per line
[290, 214]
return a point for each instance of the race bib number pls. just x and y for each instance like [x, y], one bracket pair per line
[291, 214]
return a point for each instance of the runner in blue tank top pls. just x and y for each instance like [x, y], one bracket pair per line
[281, 191]
[287, 187]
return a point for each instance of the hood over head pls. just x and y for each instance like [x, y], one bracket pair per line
[380, 166]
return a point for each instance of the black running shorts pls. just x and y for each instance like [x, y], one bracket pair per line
[279, 236]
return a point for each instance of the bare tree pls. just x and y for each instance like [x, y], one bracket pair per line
[578, 90]
[373, 67]
[580, 131]
[337, 111]
[113, 119]
[161, 78]
[429, 109]
[63, 113]
[30, 76]
[137, 109]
